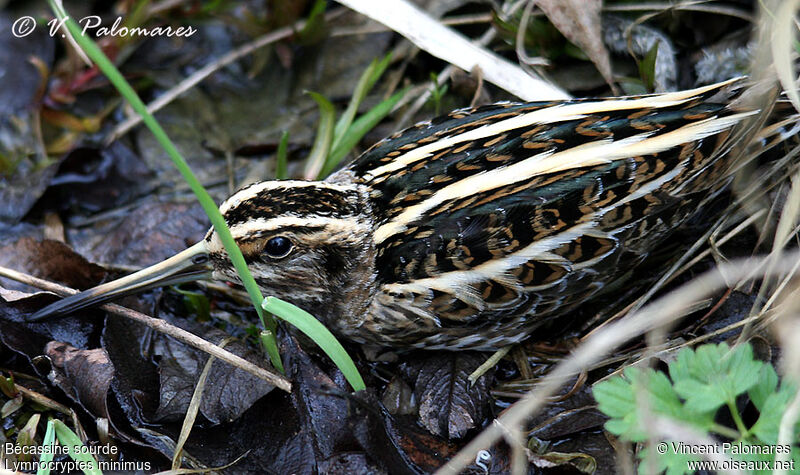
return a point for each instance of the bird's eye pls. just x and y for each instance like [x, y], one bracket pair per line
[278, 247]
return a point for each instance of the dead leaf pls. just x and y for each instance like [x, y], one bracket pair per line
[579, 21]
[449, 405]
[151, 233]
[398, 397]
[51, 260]
[25, 169]
[30, 339]
[541, 456]
[228, 392]
[85, 375]
[97, 179]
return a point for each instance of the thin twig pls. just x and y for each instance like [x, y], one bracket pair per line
[160, 326]
[123, 127]
[194, 408]
[488, 364]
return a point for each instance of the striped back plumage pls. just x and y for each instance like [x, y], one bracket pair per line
[488, 214]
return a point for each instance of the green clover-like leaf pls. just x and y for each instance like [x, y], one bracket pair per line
[767, 385]
[770, 414]
[714, 375]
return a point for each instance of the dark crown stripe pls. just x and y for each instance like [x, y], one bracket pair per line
[317, 201]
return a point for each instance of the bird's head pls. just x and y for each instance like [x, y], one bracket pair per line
[309, 243]
[301, 240]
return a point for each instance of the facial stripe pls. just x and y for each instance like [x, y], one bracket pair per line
[590, 154]
[548, 115]
[263, 226]
[270, 199]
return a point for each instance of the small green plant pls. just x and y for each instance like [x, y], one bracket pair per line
[58, 433]
[336, 138]
[75, 448]
[196, 303]
[47, 455]
[437, 93]
[647, 68]
[700, 384]
[7, 386]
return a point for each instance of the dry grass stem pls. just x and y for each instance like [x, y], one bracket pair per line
[160, 326]
[54, 405]
[783, 39]
[663, 311]
[431, 36]
[690, 6]
[194, 408]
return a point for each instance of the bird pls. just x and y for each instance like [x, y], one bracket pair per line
[471, 230]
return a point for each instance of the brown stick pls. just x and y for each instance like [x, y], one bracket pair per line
[161, 326]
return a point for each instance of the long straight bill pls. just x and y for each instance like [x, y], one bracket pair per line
[189, 265]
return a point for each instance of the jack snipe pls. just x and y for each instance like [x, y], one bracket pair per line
[472, 229]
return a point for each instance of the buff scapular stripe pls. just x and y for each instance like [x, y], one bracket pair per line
[550, 115]
[593, 153]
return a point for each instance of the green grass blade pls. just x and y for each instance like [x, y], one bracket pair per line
[281, 157]
[47, 455]
[315, 330]
[71, 441]
[359, 128]
[647, 67]
[314, 29]
[365, 83]
[352, 107]
[217, 221]
[379, 70]
[322, 143]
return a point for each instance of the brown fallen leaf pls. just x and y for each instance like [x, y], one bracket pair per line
[579, 21]
[52, 260]
[449, 405]
[84, 375]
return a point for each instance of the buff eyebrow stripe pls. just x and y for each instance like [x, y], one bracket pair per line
[288, 229]
[262, 226]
